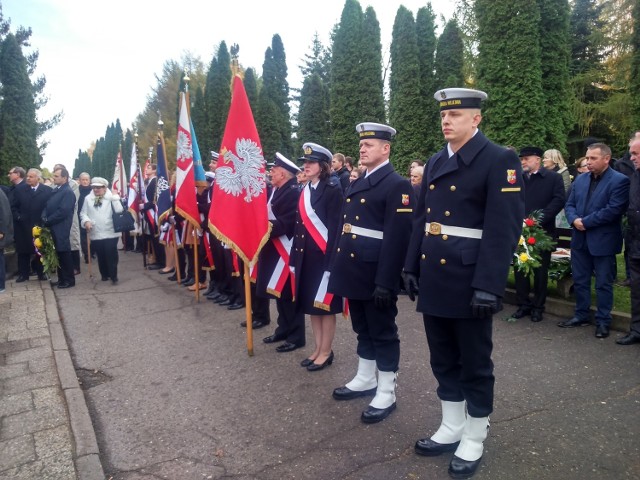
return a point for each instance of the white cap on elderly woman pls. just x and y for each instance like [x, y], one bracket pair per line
[99, 182]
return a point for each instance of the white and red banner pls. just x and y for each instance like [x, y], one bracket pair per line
[186, 203]
[119, 184]
[238, 215]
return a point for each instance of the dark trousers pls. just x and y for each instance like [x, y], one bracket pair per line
[582, 265]
[290, 322]
[377, 333]
[461, 361]
[107, 253]
[75, 255]
[83, 244]
[191, 264]
[65, 268]
[259, 307]
[3, 271]
[24, 265]
[634, 270]
[540, 278]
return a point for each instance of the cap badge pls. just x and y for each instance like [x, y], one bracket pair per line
[308, 150]
[443, 94]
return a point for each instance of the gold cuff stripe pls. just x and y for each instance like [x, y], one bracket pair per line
[514, 189]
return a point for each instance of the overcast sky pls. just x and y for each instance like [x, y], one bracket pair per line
[94, 86]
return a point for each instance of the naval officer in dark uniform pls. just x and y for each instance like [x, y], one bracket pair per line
[274, 275]
[366, 268]
[467, 224]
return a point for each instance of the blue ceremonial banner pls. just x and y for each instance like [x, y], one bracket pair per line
[198, 170]
[163, 195]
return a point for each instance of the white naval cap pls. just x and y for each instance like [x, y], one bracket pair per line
[375, 130]
[454, 98]
[316, 153]
[284, 162]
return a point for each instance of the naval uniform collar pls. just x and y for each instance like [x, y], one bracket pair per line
[369, 172]
[451, 152]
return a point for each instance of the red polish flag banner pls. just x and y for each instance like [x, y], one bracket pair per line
[186, 203]
[238, 215]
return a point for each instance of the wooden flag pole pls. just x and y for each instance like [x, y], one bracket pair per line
[195, 262]
[247, 301]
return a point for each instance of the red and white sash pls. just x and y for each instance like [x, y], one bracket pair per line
[311, 221]
[281, 272]
[323, 298]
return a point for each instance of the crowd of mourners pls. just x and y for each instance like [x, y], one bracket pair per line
[349, 237]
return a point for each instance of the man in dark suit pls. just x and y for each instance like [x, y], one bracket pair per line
[632, 247]
[594, 209]
[274, 275]
[466, 228]
[340, 169]
[58, 215]
[366, 268]
[544, 192]
[27, 202]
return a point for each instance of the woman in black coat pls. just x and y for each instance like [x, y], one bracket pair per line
[318, 217]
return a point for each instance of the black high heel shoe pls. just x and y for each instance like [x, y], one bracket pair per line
[306, 362]
[315, 366]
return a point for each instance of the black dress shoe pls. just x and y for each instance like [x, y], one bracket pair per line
[375, 415]
[104, 278]
[237, 306]
[213, 295]
[344, 393]
[602, 331]
[222, 298]
[43, 277]
[288, 347]
[459, 468]
[536, 316]
[628, 339]
[167, 272]
[21, 278]
[521, 312]
[154, 266]
[172, 278]
[271, 338]
[306, 362]
[66, 285]
[573, 322]
[188, 282]
[211, 289]
[319, 366]
[430, 448]
[114, 281]
[225, 303]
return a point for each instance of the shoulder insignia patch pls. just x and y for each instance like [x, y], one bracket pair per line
[511, 176]
[405, 199]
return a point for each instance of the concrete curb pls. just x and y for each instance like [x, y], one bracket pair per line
[620, 321]
[86, 455]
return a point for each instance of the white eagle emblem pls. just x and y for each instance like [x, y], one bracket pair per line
[245, 176]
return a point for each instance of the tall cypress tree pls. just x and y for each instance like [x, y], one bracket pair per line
[251, 87]
[217, 98]
[634, 86]
[371, 81]
[82, 164]
[556, 86]
[345, 95]
[273, 121]
[405, 101]
[450, 57]
[426, 39]
[313, 114]
[509, 71]
[18, 124]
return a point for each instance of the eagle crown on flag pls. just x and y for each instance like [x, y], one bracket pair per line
[246, 174]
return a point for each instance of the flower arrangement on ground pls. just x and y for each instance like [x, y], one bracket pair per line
[533, 241]
[45, 248]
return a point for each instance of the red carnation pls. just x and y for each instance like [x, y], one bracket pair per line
[531, 241]
[529, 222]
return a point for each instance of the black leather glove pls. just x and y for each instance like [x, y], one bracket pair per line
[485, 304]
[410, 284]
[382, 297]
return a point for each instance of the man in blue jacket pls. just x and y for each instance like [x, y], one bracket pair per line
[58, 216]
[594, 209]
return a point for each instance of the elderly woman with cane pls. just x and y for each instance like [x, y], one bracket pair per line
[96, 218]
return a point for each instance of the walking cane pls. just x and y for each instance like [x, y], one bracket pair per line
[89, 253]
